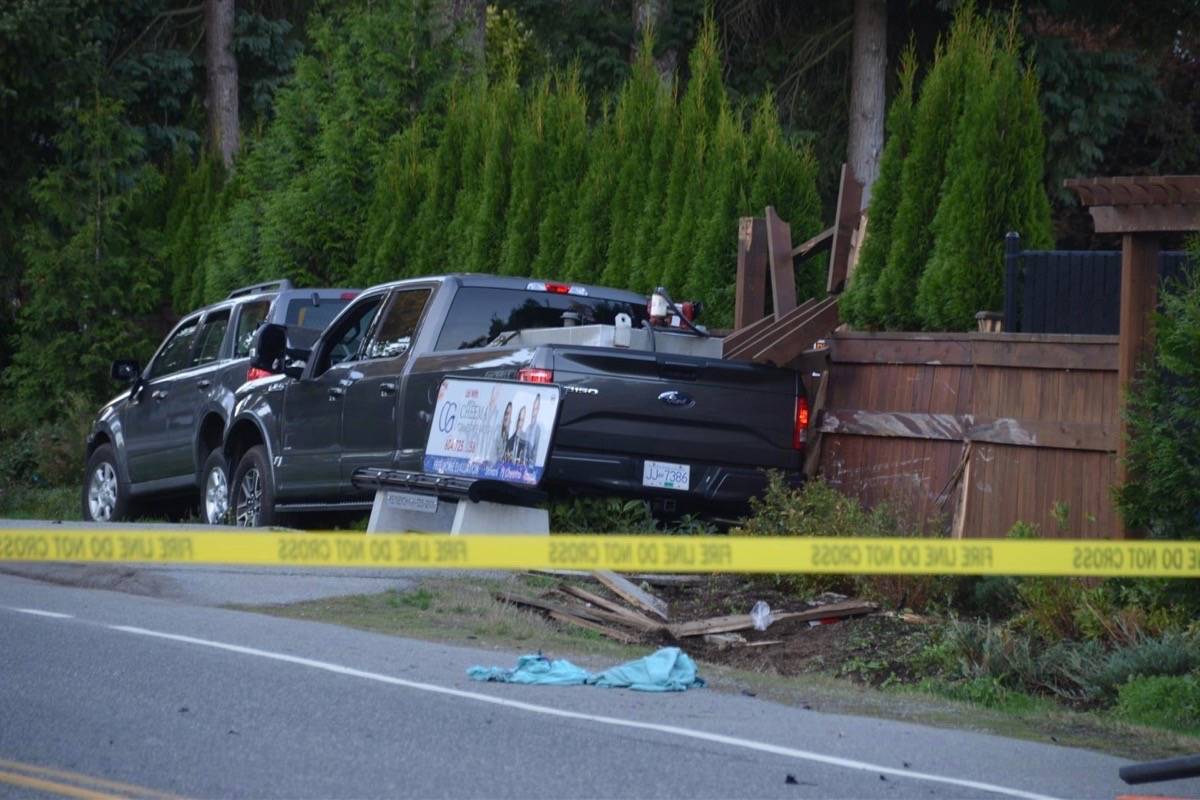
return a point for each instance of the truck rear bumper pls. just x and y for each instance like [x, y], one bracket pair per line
[713, 486]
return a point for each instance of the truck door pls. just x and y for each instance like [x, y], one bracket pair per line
[374, 398]
[309, 460]
[147, 443]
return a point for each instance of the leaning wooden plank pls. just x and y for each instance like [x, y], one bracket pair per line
[603, 630]
[627, 590]
[742, 622]
[594, 614]
[640, 621]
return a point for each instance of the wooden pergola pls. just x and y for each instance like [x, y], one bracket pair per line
[1141, 209]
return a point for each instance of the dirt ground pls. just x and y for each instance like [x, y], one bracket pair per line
[872, 649]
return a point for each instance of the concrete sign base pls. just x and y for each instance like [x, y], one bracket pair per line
[403, 512]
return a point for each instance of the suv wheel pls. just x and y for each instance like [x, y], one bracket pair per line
[214, 489]
[105, 495]
[253, 491]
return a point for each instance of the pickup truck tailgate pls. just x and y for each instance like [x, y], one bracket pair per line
[677, 408]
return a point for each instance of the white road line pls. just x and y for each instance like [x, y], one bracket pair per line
[732, 741]
[39, 613]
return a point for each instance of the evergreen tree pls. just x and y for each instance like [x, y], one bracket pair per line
[587, 246]
[960, 69]
[993, 185]
[785, 177]
[487, 226]
[714, 254]
[637, 112]
[858, 305]
[567, 159]
[91, 279]
[390, 238]
[529, 185]
[698, 112]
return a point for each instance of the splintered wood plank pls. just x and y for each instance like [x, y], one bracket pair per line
[632, 617]
[596, 615]
[750, 298]
[603, 630]
[632, 593]
[742, 622]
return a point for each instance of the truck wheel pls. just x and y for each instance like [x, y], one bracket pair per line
[105, 495]
[214, 489]
[252, 492]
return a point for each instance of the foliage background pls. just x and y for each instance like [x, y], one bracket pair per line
[373, 148]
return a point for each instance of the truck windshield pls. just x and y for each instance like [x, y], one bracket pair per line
[480, 314]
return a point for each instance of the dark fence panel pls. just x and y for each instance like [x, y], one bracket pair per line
[1068, 291]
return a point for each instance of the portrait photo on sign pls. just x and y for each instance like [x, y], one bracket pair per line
[497, 430]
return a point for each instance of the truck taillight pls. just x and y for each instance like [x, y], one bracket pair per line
[254, 373]
[535, 375]
[800, 431]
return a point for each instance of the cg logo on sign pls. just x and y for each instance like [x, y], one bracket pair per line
[447, 417]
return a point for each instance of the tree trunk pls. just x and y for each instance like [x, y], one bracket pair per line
[867, 105]
[222, 78]
[652, 14]
[469, 17]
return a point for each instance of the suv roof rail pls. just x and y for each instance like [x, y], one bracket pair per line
[269, 286]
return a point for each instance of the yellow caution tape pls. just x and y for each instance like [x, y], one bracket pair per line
[1089, 557]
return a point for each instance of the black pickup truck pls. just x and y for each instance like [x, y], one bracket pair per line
[637, 399]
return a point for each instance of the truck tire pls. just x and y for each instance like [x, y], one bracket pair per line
[106, 496]
[252, 490]
[214, 489]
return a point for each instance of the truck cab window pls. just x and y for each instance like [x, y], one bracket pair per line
[399, 324]
[345, 340]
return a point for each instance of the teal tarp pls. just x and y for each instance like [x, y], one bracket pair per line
[668, 670]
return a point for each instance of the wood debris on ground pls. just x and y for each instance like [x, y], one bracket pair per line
[633, 613]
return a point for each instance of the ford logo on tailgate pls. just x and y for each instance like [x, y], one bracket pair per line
[677, 399]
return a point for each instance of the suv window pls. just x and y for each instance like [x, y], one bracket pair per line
[306, 314]
[399, 325]
[212, 334]
[480, 314]
[344, 341]
[173, 356]
[249, 318]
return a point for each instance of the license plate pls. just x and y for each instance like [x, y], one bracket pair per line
[664, 475]
[406, 501]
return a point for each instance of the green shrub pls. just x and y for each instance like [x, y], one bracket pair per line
[1165, 702]
[1163, 494]
[818, 509]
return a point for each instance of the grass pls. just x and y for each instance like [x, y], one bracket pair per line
[42, 503]
[463, 610]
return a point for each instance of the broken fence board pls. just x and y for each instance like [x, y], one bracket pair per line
[596, 615]
[603, 630]
[632, 593]
[742, 622]
[632, 617]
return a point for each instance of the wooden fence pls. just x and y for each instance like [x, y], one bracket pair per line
[975, 431]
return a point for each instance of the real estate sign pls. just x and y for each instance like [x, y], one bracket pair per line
[498, 430]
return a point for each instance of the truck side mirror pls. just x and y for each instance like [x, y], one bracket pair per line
[267, 349]
[125, 370]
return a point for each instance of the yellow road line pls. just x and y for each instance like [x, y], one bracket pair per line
[87, 781]
[53, 787]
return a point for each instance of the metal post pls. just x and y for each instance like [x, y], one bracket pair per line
[1012, 277]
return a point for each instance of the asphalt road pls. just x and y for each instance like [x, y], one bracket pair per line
[207, 702]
